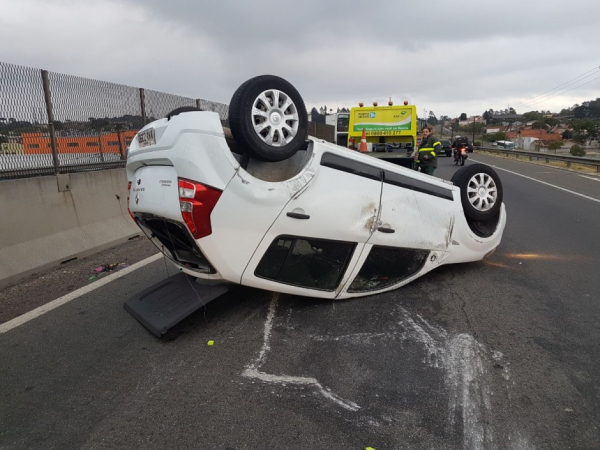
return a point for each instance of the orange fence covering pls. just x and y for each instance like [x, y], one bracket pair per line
[39, 143]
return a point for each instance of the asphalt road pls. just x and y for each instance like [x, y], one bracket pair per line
[496, 355]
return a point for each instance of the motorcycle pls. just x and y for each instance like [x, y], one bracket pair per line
[460, 155]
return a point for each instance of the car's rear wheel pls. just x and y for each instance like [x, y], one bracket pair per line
[481, 191]
[268, 118]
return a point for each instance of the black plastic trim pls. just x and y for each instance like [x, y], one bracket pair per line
[402, 181]
[176, 242]
[294, 215]
[350, 166]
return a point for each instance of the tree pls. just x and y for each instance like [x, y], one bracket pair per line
[555, 145]
[463, 116]
[577, 150]
[537, 125]
[487, 117]
[474, 126]
[533, 115]
[567, 134]
[512, 111]
[499, 136]
[432, 119]
[551, 121]
[315, 116]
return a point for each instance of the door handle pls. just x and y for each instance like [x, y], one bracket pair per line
[295, 215]
[386, 230]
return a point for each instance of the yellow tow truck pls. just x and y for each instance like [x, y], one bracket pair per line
[391, 131]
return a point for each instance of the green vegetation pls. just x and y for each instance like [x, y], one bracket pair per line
[577, 150]
[555, 145]
[585, 129]
[537, 125]
[499, 136]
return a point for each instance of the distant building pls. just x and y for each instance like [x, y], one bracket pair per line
[470, 120]
[538, 134]
[506, 117]
[526, 139]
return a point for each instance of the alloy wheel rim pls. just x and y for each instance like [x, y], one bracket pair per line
[275, 118]
[482, 191]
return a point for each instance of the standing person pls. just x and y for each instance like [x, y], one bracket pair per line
[427, 153]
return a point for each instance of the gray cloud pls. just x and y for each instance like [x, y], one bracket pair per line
[449, 57]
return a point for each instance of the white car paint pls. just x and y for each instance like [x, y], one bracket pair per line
[425, 212]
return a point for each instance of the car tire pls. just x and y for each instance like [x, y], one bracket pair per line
[257, 117]
[481, 191]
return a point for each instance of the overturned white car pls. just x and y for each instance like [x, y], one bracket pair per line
[274, 209]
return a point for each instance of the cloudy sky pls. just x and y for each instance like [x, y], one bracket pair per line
[444, 56]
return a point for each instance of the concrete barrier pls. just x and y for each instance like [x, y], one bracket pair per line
[47, 220]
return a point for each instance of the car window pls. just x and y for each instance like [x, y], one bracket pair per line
[387, 266]
[306, 262]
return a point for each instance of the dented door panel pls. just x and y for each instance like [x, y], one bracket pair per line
[336, 206]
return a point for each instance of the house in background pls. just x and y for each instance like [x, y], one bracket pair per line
[525, 138]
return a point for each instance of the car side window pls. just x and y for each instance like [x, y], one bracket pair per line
[306, 262]
[387, 266]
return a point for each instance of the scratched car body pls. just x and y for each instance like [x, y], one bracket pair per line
[326, 222]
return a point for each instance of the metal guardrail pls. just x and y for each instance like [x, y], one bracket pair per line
[535, 156]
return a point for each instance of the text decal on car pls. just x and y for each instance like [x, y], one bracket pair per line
[146, 138]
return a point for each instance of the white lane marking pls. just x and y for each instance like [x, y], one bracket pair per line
[18, 321]
[590, 178]
[252, 370]
[540, 181]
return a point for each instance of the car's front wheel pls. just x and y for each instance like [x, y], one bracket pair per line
[481, 191]
[268, 118]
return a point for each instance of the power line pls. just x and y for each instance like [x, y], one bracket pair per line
[562, 93]
[584, 75]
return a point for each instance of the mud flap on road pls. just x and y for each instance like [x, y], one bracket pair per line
[167, 303]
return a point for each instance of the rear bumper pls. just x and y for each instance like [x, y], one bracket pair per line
[176, 243]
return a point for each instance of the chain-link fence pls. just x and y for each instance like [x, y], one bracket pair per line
[53, 123]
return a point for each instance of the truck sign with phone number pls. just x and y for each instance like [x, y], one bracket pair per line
[383, 121]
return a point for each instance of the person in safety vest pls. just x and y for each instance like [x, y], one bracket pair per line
[426, 157]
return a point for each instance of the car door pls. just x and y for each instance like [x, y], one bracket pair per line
[413, 231]
[320, 233]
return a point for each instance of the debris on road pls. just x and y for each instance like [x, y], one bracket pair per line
[103, 268]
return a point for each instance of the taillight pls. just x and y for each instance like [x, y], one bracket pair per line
[128, 192]
[196, 202]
